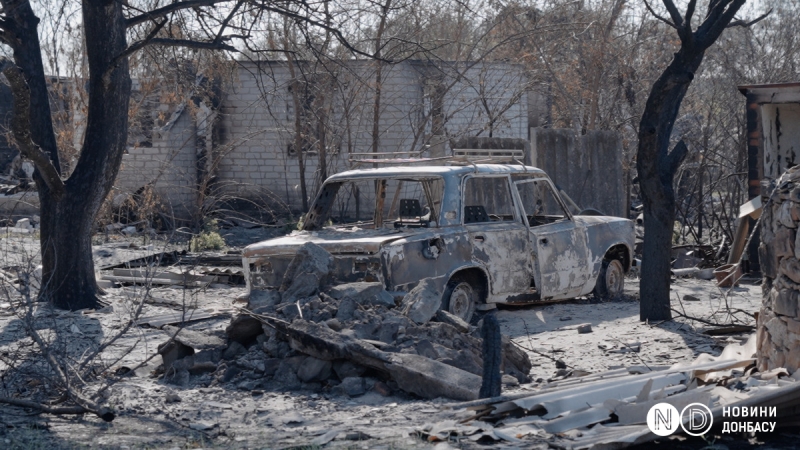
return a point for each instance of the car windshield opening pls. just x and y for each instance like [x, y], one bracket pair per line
[378, 203]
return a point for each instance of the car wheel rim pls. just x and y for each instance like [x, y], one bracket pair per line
[614, 278]
[461, 301]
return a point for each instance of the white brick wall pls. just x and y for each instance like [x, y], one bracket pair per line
[169, 165]
[258, 122]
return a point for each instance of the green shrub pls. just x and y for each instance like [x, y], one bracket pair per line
[208, 239]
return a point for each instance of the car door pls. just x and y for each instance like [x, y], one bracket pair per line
[559, 257]
[496, 230]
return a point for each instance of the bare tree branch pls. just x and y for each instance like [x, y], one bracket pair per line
[140, 44]
[657, 16]
[674, 14]
[227, 20]
[20, 125]
[167, 42]
[159, 13]
[745, 24]
[712, 29]
[44, 408]
[689, 13]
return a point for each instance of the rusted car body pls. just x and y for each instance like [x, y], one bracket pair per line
[486, 233]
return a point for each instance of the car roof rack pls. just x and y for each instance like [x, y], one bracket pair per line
[460, 157]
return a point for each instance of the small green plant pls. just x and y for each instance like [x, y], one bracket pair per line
[299, 225]
[208, 239]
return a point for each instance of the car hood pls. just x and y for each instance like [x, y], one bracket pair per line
[334, 241]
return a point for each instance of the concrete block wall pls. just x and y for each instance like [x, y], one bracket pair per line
[169, 165]
[258, 119]
[503, 88]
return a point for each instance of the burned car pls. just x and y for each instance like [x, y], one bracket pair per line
[485, 233]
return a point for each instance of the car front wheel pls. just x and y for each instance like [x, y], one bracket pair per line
[611, 281]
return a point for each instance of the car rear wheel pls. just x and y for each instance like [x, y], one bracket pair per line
[460, 299]
[611, 281]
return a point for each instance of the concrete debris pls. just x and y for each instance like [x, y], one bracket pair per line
[584, 328]
[450, 319]
[345, 369]
[304, 285]
[353, 386]
[191, 352]
[422, 302]
[24, 223]
[310, 259]
[260, 300]
[364, 293]
[348, 338]
[313, 369]
[244, 329]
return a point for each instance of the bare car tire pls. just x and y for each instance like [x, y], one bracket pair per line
[460, 299]
[611, 280]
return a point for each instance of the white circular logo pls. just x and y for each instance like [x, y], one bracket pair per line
[696, 419]
[663, 419]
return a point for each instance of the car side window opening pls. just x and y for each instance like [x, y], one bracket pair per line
[487, 199]
[540, 202]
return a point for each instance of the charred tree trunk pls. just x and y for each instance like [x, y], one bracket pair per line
[655, 163]
[68, 270]
[68, 208]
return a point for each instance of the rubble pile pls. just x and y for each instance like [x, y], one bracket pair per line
[348, 338]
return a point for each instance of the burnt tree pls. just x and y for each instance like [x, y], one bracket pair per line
[69, 205]
[655, 163]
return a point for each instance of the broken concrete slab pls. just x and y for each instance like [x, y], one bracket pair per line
[24, 223]
[289, 310]
[432, 379]
[304, 285]
[323, 343]
[353, 386]
[345, 369]
[310, 258]
[313, 369]
[413, 373]
[191, 351]
[233, 351]
[195, 339]
[346, 309]
[364, 293]
[260, 300]
[422, 302]
[448, 318]
[244, 329]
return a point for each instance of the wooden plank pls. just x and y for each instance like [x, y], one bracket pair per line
[157, 281]
[177, 317]
[162, 274]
